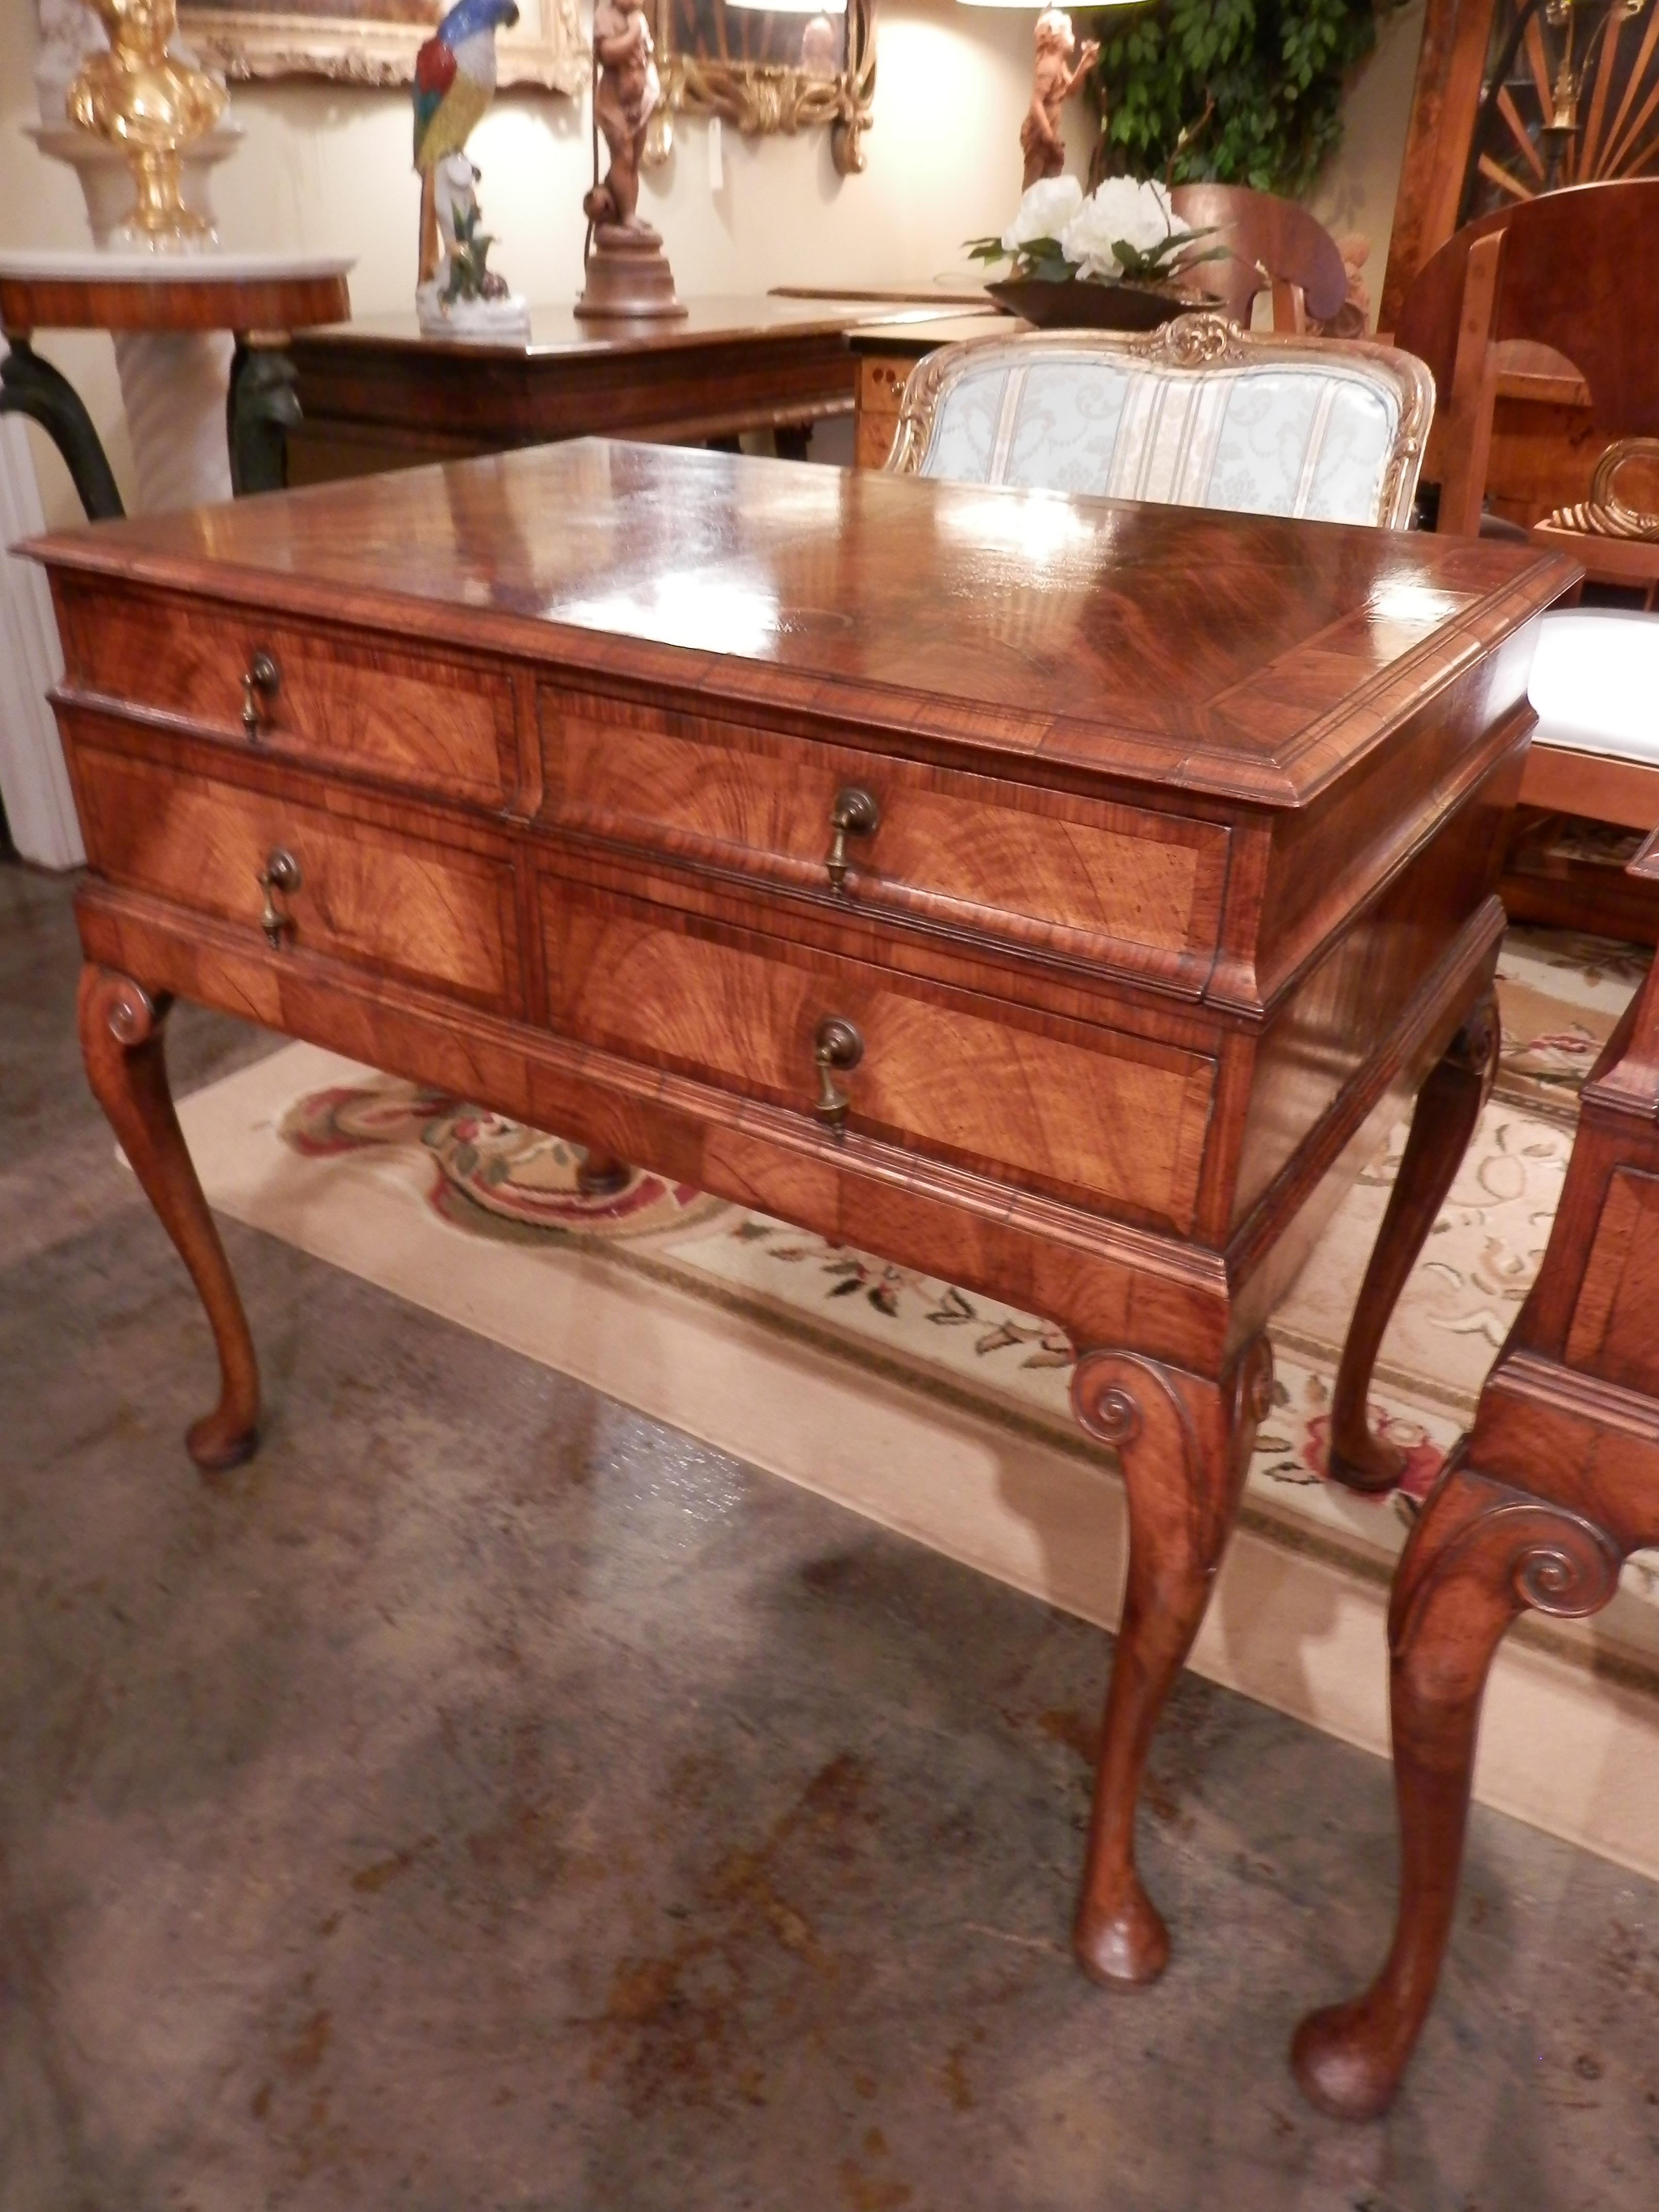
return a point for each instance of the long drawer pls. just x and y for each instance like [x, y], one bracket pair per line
[412, 718]
[1115, 885]
[1071, 1106]
[382, 898]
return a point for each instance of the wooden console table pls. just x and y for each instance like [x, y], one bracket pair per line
[379, 396]
[1538, 1507]
[1060, 896]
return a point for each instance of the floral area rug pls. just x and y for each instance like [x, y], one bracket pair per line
[486, 1177]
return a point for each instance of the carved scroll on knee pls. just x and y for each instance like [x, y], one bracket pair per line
[1544, 1557]
[129, 1013]
[1196, 1431]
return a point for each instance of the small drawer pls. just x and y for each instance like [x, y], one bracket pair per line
[1116, 886]
[882, 381]
[382, 899]
[880, 397]
[1073, 1107]
[412, 719]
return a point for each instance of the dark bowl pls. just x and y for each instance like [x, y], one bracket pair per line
[1077, 305]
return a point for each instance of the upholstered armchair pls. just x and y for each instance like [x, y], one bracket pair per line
[1197, 414]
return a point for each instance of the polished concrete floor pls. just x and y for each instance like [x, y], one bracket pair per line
[488, 1799]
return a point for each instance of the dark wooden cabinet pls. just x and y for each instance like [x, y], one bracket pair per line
[375, 394]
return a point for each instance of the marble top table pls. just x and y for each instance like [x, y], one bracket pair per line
[192, 332]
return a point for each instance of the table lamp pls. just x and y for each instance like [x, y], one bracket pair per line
[1061, 66]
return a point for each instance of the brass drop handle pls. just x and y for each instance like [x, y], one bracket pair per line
[281, 872]
[261, 679]
[854, 814]
[836, 1045]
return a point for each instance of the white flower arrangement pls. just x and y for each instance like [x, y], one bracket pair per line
[1125, 232]
[1049, 206]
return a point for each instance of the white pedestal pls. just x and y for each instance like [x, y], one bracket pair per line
[181, 460]
[106, 180]
[174, 384]
[34, 781]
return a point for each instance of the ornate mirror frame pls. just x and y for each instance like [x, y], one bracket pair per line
[763, 96]
[375, 41]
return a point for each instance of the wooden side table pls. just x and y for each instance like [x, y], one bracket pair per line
[258, 297]
[381, 396]
[1538, 1506]
[1070, 928]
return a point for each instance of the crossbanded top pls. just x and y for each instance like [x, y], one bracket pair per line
[1244, 656]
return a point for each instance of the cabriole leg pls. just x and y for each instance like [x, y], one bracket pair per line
[121, 1042]
[1448, 1107]
[1480, 1554]
[1184, 1443]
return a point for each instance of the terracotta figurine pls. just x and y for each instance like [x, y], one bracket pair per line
[628, 91]
[627, 272]
[1057, 78]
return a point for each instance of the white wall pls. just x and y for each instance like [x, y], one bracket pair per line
[328, 167]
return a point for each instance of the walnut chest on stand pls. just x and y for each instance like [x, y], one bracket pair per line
[1060, 896]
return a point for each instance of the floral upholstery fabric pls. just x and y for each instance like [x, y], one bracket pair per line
[1275, 438]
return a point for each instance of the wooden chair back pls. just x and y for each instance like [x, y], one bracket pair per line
[1576, 270]
[1275, 245]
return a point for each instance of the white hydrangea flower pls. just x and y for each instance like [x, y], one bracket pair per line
[1122, 208]
[1044, 212]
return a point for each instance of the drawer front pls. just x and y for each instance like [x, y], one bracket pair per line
[1113, 884]
[1054, 1104]
[880, 397]
[378, 897]
[410, 717]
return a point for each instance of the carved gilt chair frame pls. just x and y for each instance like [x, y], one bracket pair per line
[1191, 345]
[762, 97]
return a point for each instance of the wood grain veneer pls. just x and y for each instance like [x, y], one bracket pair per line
[1117, 885]
[414, 719]
[1181, 884]
[1106, 1114]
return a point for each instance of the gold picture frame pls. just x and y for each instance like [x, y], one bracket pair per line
[375, 41]
[747, 67]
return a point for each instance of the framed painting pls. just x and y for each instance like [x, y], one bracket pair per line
[375, 41]
[767, 70]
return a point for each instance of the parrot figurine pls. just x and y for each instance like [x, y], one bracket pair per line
[454, 83]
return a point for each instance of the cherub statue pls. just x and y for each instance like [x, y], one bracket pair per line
[1056, 78]
[151, 105]
[627, 272]
[457, 295]
[627, 92]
